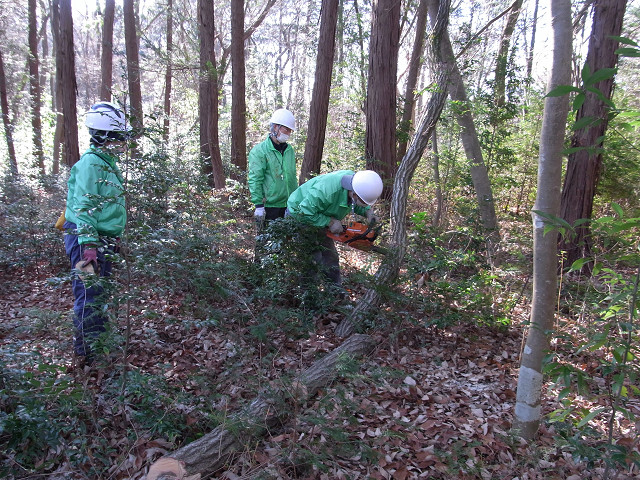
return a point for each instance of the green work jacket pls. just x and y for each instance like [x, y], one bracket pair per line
[272, 175]
[322, 198]
[95, 199]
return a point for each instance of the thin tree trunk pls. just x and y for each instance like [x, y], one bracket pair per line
[168, 76]
[271, 408]
[34, 88]
[8, 128]
[584, 166]
[390, 267]
[321, 91]
[471, 143]
[533, 43]
[57, 89]
[412, 79]
[502, 59]
[380, 135]
[106, 60]
[238, 91]
[435, 165]
[133, 66]
[68, 84]
[527, 410]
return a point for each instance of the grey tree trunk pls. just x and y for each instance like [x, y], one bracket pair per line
[529, 391]
[34, 88]
[321, 91]
[210, 452]
[390, 267]
[471, 143]
[502, 60]
[168, 75]
[238, 102]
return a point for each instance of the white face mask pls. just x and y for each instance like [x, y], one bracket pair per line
[282, 137]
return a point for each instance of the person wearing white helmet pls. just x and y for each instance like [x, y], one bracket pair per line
[272, 173]
[325, 200]
[95, 217]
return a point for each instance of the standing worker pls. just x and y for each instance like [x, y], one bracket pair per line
[325, 200]
[272, 170]
[94, 217]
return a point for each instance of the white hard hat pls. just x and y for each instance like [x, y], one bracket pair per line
[106, 116]
[368, 186]
[282, 116]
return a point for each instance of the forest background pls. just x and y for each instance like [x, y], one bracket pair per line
[201, 331]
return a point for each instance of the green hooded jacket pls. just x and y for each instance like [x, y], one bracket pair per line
[322, 198]
[95, 200]
[272, 175]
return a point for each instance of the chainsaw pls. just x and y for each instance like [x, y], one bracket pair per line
[360, 236]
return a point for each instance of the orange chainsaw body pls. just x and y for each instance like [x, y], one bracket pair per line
[356, 235]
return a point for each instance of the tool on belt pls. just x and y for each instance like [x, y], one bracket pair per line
[360, 236]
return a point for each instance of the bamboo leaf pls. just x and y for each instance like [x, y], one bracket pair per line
[562, 90]
[590, 417]
[600, 75]
[624, 40]
[618, 209]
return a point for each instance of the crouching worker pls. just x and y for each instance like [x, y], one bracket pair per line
[94, 217]
[324, 201]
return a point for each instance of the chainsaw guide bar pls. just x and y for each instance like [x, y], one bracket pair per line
[360, 236]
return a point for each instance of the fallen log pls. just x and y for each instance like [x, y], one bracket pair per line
[271, 408]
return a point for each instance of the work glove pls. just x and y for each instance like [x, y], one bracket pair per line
[335, 226]
[90, 256]
[286, 212]
[259, 213]
[372, 217]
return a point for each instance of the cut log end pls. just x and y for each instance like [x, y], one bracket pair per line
[167, 468]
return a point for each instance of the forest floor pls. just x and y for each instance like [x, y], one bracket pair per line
[427, 403]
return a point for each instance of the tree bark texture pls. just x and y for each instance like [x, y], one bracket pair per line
[471, 142]
[8, 128]
[168, 75]
[530, 378]
[390, 266]
[321, 91]
[133, 66]
[208, 97]
[106, 59]
[238, 90]
[68, 84]
[415, 63]
[380, 135]
[533, 42]
[272, 407]
[34, 88]
[584, 166]
[502, 60]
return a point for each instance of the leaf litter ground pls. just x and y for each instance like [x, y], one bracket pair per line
[428, 403]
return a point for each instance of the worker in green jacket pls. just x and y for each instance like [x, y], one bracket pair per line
[272, 172]
[325, 200]
[95, 217]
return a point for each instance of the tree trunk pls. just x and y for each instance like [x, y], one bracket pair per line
[106, 60]
[533, 43]
[412, 79]
[471, 143]
[238, 90]
[321, 91]
[390, 266]
[502, 59]
[8, 128]
[34, 88]
[530, 378]
[208, 97]
[168, 76]
[584, 166]
[57, 88]
[68, 86]
[272, 407]
[380, 136]
[133, 66]
[435, 164]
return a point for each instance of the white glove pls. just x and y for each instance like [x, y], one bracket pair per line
[259, 213]
[372, 217]
[335, 226]
[286, 212]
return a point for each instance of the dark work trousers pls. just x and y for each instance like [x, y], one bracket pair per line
[327, 258]
[271, 213]
[89, 307]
